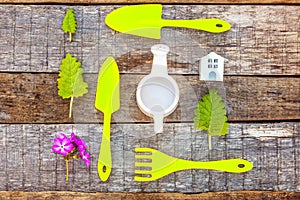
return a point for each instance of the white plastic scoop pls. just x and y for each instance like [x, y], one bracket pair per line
[158, 93]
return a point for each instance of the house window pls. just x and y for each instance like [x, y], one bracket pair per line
[215, 66]
[215, 60]
[209, 65]
[209, 60]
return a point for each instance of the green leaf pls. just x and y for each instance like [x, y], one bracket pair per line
[69, 23]
[210, 115]
[70, 81]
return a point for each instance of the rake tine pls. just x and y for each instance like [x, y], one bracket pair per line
[143, 156]
[142, 172]
[143, 164]
[142, 150]
[142, 179]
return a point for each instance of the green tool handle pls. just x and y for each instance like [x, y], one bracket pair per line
[104, 160]
[212, 25]
[230, 165]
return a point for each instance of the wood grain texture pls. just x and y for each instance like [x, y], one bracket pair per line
[28, 164]
[156, 1]
[261, 92]
[263, 40]
[237, 195]
[33, 98]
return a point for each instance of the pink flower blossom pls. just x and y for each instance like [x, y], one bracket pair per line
[85, 156]
[70, 148]
[80, 143]
[73, 137]
[62, 145]
[61, 136]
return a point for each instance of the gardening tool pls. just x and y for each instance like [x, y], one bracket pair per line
[162, 164]
[146, 21]
[157, 93]
[107, 101]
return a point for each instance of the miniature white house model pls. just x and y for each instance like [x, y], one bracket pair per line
[212, 67]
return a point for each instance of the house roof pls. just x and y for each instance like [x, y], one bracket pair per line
[213, 55]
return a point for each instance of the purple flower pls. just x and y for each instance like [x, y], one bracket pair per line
[85, 156]
[62, 136]
[70, 148]
[62, 145]
[73, 137]
[81, 145]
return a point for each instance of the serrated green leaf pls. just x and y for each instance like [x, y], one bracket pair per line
[70, 81]
[210, 114]
[69, 23]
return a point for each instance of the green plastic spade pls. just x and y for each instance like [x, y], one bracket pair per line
[145, 20]
[107, 101]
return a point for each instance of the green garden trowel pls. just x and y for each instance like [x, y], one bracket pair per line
[107, 101]
[146, 21]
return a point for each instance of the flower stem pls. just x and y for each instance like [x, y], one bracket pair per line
[71, 104]
[70, 37]
[67, 170]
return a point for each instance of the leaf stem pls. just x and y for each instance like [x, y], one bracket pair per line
[70, 37]
[209, 142]
[71, 105]
[67, 170]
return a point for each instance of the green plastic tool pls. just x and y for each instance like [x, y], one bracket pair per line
[146, 20]
[162, 164]
[107, 101]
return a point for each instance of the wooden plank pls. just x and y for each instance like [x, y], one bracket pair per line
[235, 148]
[254, 195]
[286, 152]
[257, 44]
[3, 176]
[33, 98]
[297, 159]
[155, 1]
[183, 149]
[269, 164]
[28, 164]
[251, 180]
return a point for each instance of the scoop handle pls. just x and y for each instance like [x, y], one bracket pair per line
[158, 122]
[159, 64]
[230, 165]
[212, 25]
[104, 159]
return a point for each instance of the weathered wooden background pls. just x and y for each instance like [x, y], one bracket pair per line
[156, 1]
[261, 89]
